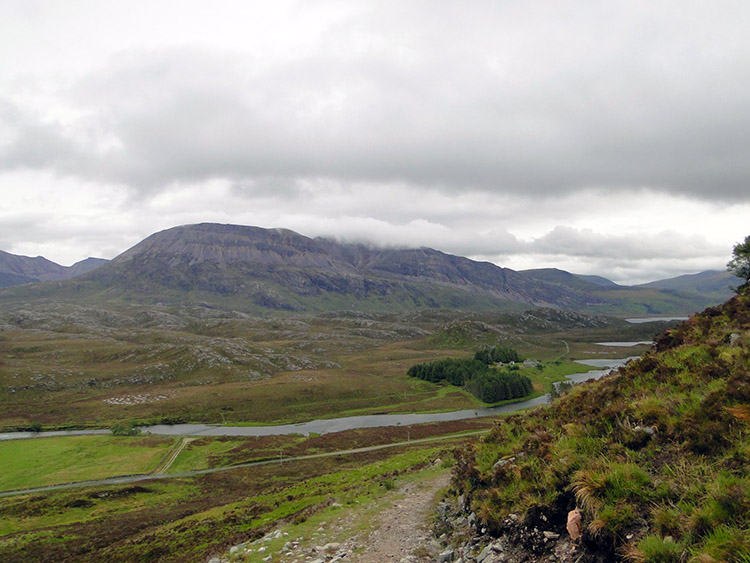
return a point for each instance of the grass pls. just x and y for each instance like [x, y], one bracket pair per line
[50, 461]
[194, 518]
[656, 456]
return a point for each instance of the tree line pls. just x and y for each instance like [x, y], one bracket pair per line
[476, 376]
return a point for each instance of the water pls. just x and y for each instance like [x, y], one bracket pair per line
[624, 344]
[338, 424]
[607, 366]
[51, 434]
[370, 421]
[611, 363]
[639, 320]
[345, 423]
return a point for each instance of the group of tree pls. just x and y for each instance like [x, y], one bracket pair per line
[476, 376]
[456, 371]
[739, 265]
[497, 385]
[497, 354]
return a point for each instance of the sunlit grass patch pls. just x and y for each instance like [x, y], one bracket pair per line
[47, 461]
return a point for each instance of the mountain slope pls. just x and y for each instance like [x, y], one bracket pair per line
[714, 283]
[16, 270]
[254, 269]
[554, 275]
[280, 269]
[656, 457]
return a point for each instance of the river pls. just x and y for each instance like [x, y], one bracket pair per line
[325, 426]
[639, 320]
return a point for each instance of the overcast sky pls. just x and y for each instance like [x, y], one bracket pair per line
[601, 137]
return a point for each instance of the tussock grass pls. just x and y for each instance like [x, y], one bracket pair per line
[657, 456]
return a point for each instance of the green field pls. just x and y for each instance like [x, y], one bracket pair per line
[50, 461]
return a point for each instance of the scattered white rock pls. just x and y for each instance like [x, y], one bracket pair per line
[446, 556]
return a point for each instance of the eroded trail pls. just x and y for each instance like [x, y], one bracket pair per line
[402, 532]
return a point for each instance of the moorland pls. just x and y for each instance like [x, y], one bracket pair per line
[178, 330]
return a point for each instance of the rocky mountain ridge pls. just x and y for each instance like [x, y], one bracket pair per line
[255, 269]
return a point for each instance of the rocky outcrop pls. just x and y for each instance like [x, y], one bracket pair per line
[535, 540]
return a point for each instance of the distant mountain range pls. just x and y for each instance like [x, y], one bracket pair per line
[266, 270]
[711, 283]
[16, 270]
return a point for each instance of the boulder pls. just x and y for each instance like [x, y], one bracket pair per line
[574, 525]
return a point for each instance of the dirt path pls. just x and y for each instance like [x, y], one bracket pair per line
[402, 532]
[163, 467]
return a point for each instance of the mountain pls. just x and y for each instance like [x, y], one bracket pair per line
[15, 270]
[598, 280]
[554, 275]
[715, 283]
[280, 269]
[85, 266]
[255, 269]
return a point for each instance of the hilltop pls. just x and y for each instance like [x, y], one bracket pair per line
[656, 458]
[279, 271]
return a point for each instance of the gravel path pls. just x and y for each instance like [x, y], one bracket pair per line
[402, 532]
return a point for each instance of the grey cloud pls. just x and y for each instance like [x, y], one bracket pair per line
[538, 101]
[28, 142]
[584, 243]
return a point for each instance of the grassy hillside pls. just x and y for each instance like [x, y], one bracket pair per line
[76, 366]
[656, 456]
[189, 519]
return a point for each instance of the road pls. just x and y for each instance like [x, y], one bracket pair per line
[125, 479]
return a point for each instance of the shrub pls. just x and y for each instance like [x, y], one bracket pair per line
[35, 427]
[119, 429]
